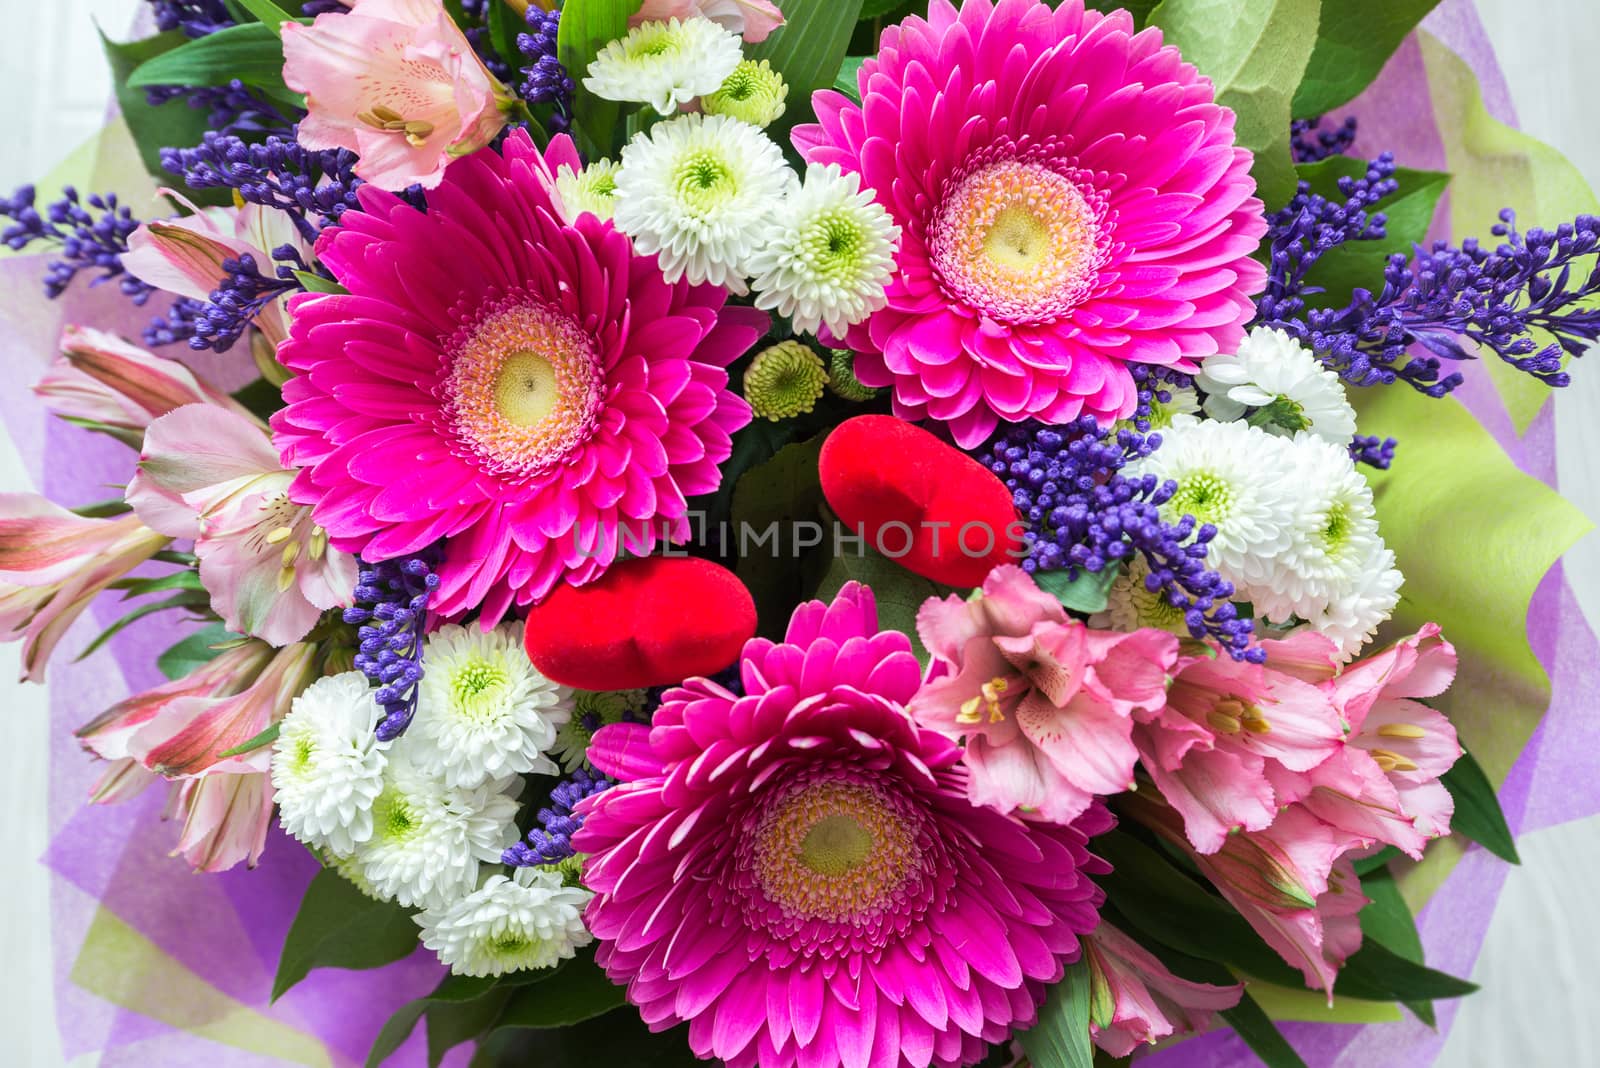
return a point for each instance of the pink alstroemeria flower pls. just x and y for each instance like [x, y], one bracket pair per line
[1385, 783]
[53, 564]
[1293, 882]
[184, 255]
[1135, 1000]
[752, 19]
[211, 474]
[99, 378]
[396, 82]
[1045, 704]
[1229, 730]
[179, 731]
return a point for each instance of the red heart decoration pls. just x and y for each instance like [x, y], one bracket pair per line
[924, 504]
[645, 622]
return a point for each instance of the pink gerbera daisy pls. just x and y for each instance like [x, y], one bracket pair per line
[530, 389]
[798, 872]
[1071, 199]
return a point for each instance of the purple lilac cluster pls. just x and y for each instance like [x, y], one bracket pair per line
[1084, 515]
[195, 18]
[1312, 144]
[244, 291]
[1539, 281]
[232, 108]
[178, 324]
[551, 841]
[313, 188]
[91, 233]
[392, 611]
[1373, 451]
[544, 79]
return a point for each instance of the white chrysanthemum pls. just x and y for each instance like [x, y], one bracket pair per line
[427, 838]
[327, 764]
[515, 924]
[1131, 606]
[483, 709]
[754, 93]
[828, 256]
[700, 192]
[665, 64]
[1235, 477]
[590, 712]
[1333, 538]
[592, 190]
[1287, 385]
[1352, 618]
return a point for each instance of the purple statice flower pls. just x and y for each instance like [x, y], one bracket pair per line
[544, 79]
[1497, 299]
[195, 18]
[1373, 451]
[222, 319]
[392, 610]
[313, 188]
[1084, 515]
[231, 108]
[1312, 144]
[90, 233]
[551, 841]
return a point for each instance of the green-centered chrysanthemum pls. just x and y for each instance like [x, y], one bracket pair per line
[664, 64]
[842, 377]
[590, 712]
[784, 381]
[754, 92]
[592, 190]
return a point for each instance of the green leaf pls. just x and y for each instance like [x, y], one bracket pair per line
[900, 593]
[260, 741]
[504, 25]
[1261, 1034]
[1377, 973]
[1366, 865]
[808, 51]
[340, 927]
[251, 53]
[774, 497]
[1478, 815]
[194, 651]
[1061, 1037]
[876, 9]
[112, 506]
[315, 283]
[140, 587]
[1387, 920]
[847, 80]
[1361, 263]
[1256, 52]
[1087, 593]
[270, 14]
[451, 1024]
[155, 128]
[134, 439]
[1355, 38]
[1140, 9]
[587, 26]
[185, 599]
[452, 990]
[582, 993]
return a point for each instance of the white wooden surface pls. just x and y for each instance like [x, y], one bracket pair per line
[1537, 967]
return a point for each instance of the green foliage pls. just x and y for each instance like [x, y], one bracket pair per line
[846, 81]
[1387, 920]
[315, 283]
[340, 927]
[1354, 40]
[807, 50]
[582, 993]
[195, 651]
[1061, 1037]
[1377, 973]
[190, 595]
[251, 53]
[776, 495]
[1478, 815]
[587, 26]
[1261, 1034]
[899, 593]
[270, 13]
[260, 741]
[1360, 263]
[504, 25]
[1140, 9]
[454, 992]
[1256, 52]
[155, 128]
[1087, 593]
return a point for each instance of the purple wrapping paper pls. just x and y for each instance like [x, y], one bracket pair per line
[210, 943]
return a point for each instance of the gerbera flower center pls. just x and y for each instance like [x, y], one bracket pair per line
[1019, 240]
[523, 388]
[833, 849]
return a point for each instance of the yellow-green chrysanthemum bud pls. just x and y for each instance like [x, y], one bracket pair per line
[570, 869]
[753, 93]
[785, 381]
[842, 377]
[592, 190]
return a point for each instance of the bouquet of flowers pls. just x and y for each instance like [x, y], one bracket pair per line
[808, 532]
